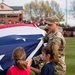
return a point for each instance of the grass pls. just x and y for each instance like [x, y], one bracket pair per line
[70, 56]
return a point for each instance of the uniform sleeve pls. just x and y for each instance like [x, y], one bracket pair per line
[56, 42]
[36, 61]
[45, 39]
[9, 72]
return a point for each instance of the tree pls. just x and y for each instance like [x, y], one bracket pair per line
[73, 8]
[55, 10]
[41, 9]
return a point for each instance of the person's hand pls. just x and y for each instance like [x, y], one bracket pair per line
[29, 61]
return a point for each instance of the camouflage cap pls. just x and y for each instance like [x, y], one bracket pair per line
[52, 19]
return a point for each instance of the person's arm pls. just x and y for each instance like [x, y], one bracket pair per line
[45, 39]
[55, 51]
[37, 60]
[55, 46]
[35, 70]
[29, 62]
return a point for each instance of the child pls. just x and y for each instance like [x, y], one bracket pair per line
[21, 67]
[48, 57]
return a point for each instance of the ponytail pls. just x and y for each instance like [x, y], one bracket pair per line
[21, 64]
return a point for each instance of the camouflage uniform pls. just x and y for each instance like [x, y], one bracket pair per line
[38, 62]
[58, 40]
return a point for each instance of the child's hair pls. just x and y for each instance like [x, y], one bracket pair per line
[19, 56]
[47, 50]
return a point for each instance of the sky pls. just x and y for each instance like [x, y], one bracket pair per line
[22, 2]
[62, 4]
